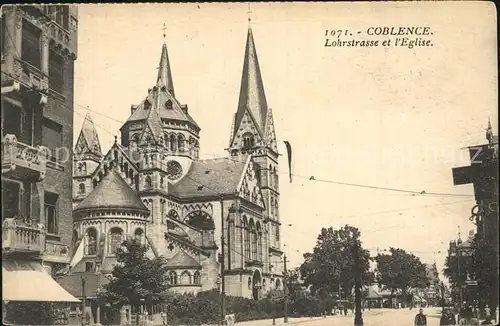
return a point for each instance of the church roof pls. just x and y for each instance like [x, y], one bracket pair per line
[252, 95]
[182, 260]
[162, 98]
[112, 192]
[211, 177]
[88, 140]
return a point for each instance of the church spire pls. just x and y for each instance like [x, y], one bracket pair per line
[164, 73]
[88, 140]
[252, 96]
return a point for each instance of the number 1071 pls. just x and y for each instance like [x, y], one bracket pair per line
[336, 32]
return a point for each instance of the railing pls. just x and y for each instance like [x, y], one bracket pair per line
[16, 154]
[21, 235]
[56, 251]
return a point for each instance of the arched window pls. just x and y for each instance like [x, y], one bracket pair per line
[166, 140]
[196, 148]
[81, 188]
[278, 283]
[91, 241]
[259, 242]
[173, 214]
[94, 183]
[196, 278]
[74, 239]
[253, 234]
[272, 205]
[139, 234]
[248, 140]
[270, 174]
[115, 239]
[172, 277]
[276, 206]
[162, 208]
[173, 143]
[200, 220]
[275, 176]
[162, 183]
[135, 140]
[246, 238]
[148, 182]
[185, 278]
[180, 143]
[250, 283]
[168, 104]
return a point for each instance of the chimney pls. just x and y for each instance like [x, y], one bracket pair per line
[133, 108]
[184, 108]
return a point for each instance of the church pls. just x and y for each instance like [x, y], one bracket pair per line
[152, 185]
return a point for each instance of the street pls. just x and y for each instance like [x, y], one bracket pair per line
[374, 317]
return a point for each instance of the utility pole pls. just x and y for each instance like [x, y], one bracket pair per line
[222, 267]
[285, 280]
[358, 318]
[83, 300]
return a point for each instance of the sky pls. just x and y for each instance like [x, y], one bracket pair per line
[389, 117]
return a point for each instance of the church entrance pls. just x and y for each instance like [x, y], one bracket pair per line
[257, 284]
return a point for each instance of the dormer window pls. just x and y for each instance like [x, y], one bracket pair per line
[168, 104]
[147, 105]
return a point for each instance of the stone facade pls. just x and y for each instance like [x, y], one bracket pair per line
[192, 203]
[38, 54]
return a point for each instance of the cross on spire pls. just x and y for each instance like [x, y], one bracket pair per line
[248, 13]
[164, 29]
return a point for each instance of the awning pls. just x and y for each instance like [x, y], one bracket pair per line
[29, 281]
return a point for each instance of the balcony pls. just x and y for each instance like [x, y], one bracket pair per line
[20, 235]
[56, 252]
[23, 161]
[28, 75]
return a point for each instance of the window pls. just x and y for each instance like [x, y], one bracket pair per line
[162, 208]
[246, 239]
[277, 235]
[197, 278]
[56, 72]
[248, 140]
[31, 45]
[89, 266]
[173, 143]
[180, 143]
[115, 240]
[11, 193]
[139, 234]
[259, 243]
[91, 241]
[81, 188]
[51, 212]
[253, 234]
[148, 182]
[173, 214]
[52, 137]
[11, 120]
[61, 16]
[172, 277]
[185, 278]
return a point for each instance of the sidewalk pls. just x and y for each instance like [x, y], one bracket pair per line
[279, 321]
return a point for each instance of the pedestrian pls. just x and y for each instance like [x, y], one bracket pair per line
[420, 318]
[345, 311]
[468, 318]
[487, 312]
[447, 319]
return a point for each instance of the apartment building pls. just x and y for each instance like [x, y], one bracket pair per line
[39, 48]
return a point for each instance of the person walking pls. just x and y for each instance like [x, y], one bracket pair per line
[420, 318]
[487, 312]
[468, 318]
[447, 318]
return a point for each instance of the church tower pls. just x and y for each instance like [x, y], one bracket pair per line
[253, 134]
[87, 157]
[162, 139]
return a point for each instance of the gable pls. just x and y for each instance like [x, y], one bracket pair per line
[249, 187]
[247, 125]
[81, 144]
[270, 135]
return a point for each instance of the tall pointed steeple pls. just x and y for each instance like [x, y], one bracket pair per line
[88, 140]
[164, 73]
[252, 95]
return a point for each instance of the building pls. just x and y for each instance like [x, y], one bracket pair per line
[38, 54]
[459, 256]
[431, 294]
[153, 185]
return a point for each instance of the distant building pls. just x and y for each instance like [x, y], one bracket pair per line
[152, 185]
[431, 294]
[38, 47]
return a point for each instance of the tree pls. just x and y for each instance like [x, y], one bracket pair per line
[400, 270]
[331, 263]
[136, 279]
